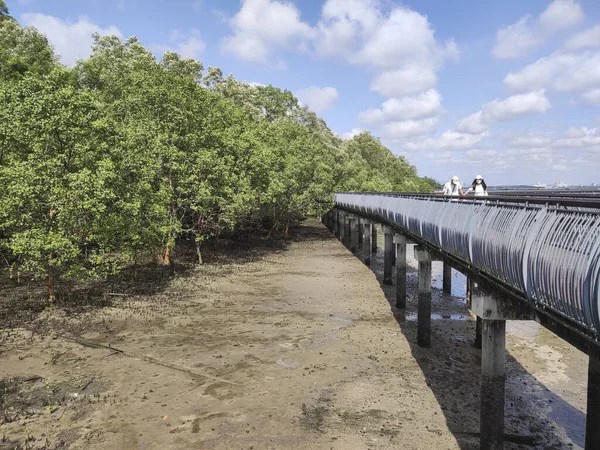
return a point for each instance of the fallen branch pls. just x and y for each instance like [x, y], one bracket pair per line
[92, 344]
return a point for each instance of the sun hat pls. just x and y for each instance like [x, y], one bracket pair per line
[479, 177]
[454, 178]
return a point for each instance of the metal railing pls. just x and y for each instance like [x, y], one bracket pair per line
[548, 251]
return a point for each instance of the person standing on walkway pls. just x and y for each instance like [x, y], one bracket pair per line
[453, 187]
[478, 187]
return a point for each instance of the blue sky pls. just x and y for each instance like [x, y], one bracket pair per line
[509, 90]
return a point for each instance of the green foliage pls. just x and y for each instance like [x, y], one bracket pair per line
[23, 50]
[3, 10]
[123, 155]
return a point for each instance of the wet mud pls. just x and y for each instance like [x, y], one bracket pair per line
[289, 345]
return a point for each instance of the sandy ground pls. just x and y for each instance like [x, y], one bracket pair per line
[291, 344]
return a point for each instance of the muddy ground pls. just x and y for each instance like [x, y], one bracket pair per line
[282, 344]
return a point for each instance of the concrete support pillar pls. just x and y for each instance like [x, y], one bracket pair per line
[447, 281]
[360, 231]
[469, 290]
[400, 242]
[424, 292]
[478, 333]
[493, 378]
[353, 233]
[374, 237]
[336, 220]
[366, 241]
[592, 424]
[471, 285]
[494, 310]
[346, 236]
[388, 252]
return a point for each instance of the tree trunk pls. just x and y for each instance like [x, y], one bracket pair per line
[51, 295]
[199, 253]
[167, 257]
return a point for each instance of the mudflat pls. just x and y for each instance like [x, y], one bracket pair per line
[273, 344]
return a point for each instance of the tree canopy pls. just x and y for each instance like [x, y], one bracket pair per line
[124, 155]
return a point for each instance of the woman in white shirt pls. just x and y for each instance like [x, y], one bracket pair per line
[478, 187]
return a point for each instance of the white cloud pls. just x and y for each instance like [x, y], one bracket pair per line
[192, 48]
[561, 15]
[344, 25]
[515, 106]
[318, 98]
[72, 40]
[561, 165]
[186, 44]
[589, 38]
[530, 140]
[546, 151]
[472, 124]
[398, 45]
[449, 140]
[262, 26]
[591, 97]
[399, 130]
[407, 80]
[502, 110]
[579, 137]
[514, 40]
[350, 134]
[564, 72]
[480, 154]
[427, 104]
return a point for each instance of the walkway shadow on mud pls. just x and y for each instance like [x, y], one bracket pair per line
[534, 415]
[21, 302]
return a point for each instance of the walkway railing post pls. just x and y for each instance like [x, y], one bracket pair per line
[353, 233]
[424, 292]
[388, 251]
[592, 424]
[366, 241]
[340, 225]
[374, 237]
[400, 242]
[447, 281]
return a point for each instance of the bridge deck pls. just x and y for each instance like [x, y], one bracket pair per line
[546, 253]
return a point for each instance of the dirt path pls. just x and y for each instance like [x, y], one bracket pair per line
[295, 348]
